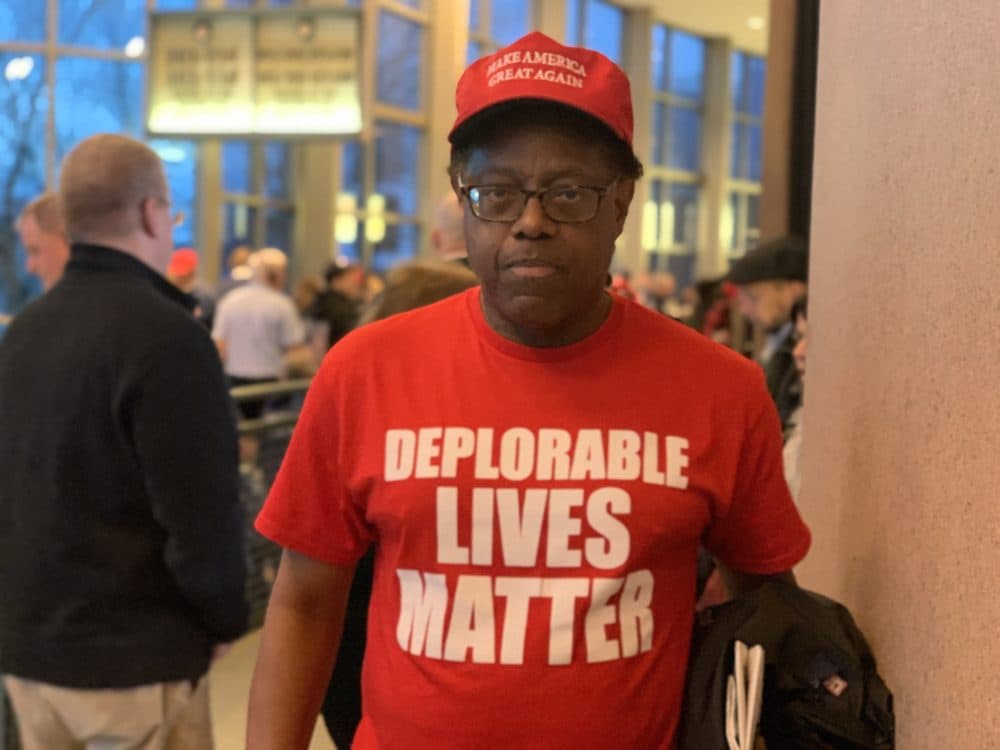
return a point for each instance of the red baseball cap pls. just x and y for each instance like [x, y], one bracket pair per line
[539, 67]
[183, 262]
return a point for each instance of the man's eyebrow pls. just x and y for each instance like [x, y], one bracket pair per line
[573, 173]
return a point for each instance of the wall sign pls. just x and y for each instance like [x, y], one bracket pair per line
[245, 73]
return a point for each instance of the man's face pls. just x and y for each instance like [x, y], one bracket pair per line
[47, 252]
[538, 274]
[766, 303]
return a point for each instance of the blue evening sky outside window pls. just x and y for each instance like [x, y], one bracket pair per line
[659, 133]
[180, 162]
[352, 168]
[737, 81]
[755, 145]
[687, 65]
[23, 112]
[658, 58]
[473, 52]
[96, 96]
[100, 23]
[755, 94]
[685, 139]
[240, 3]
[474, 15]
[397, 168]
[279, 228]
[236, 167]
[511, 20]
[22, 20]
[736, 155]
[277, 168]
[605, 27]
[400, 52]
[177, 4]
[573, 22]
[238, 225]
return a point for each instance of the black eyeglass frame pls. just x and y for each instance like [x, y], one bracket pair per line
[466, 191]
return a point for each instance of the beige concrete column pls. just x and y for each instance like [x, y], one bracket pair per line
[778, 119]
[902, 427]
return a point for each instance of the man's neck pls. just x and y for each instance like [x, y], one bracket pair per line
[576, 329]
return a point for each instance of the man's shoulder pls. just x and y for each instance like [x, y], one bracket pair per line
[663, 337]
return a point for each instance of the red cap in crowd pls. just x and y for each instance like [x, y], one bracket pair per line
[538, 67]
[183, 262]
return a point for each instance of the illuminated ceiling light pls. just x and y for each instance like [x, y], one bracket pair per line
[756, 23]
[135, 47]
[649, 217]
[19, 68]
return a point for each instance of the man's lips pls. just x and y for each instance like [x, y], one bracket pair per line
[531, 268]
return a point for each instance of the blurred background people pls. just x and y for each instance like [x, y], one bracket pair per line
[121, 533]
[257, 326]
[339, 303]
[408, 287]
[768, 280]
[447, 235]
[182, 272]
[238, 271]
[793, 432]
[44, 238]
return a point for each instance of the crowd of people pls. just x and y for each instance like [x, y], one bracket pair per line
[515, 468]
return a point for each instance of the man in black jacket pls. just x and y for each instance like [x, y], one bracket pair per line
[121, 537]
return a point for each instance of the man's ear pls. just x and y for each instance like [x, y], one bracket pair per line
[624, 192]
[147, 210]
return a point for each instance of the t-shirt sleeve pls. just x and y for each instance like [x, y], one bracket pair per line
[761, 531]
[310, 508]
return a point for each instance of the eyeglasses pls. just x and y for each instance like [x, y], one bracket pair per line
[564, 204]
[177, 218]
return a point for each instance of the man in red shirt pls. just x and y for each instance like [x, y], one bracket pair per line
[536, 462]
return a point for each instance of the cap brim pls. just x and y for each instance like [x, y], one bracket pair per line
[462, 132]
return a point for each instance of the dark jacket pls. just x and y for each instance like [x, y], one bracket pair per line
[121, 535]
[808, 641]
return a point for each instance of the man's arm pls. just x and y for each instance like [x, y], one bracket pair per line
[302, 631]
[743, 583]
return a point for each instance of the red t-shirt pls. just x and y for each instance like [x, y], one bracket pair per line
[536, 515]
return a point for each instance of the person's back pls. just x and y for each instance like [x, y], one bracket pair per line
[258, 325]
[75, 387]
[121, 535]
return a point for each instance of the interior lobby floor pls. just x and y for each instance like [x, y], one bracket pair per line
[230, 689]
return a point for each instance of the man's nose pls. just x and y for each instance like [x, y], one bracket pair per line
[533, 221]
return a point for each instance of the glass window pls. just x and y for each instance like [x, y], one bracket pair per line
[753, 220]
[176, 4]
[180, 161]
[687, 65]
[659, 134]
[755, 92]
[279, 228]
[23, 112]
[240, 3]
[277, 169]
[511, 20]
[736, 160]
[402, 242]
[22, 21]
[473, 52]
[100, 23]
[573, 22]
[685, 200]
[682, 268]
[658, 62]
[737, 78]
[399, 61]
[109, 92]
[474, 16]
[352, 168]
[351, 251]
[397, 171]
[237, 170]
[755, 147]
[685, 139]
[239, 224]
[605, 27]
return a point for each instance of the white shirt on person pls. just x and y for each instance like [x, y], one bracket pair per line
[257, 325]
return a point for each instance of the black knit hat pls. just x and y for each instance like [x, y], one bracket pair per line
[783, 259]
